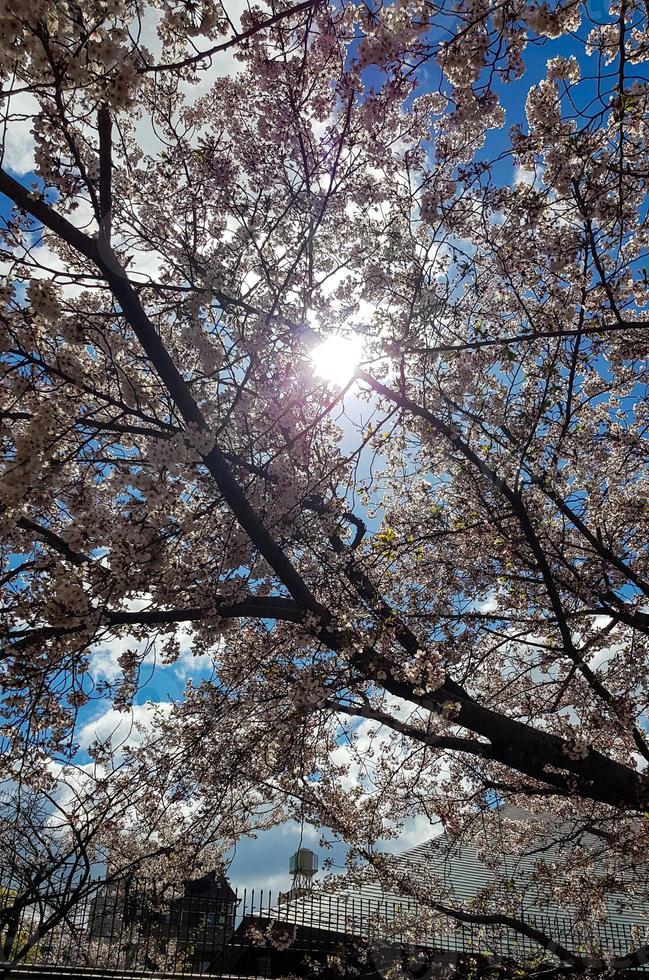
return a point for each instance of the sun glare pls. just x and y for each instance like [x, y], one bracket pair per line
[336, 358]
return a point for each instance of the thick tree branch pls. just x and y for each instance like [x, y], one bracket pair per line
[104, 126]
[255, 607]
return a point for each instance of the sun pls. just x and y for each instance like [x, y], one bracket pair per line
[337, 357]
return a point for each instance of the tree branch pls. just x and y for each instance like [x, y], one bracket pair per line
[104, 127]
[237, 39]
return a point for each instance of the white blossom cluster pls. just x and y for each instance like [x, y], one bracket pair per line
[43, 298]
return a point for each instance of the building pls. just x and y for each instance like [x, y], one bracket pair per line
[382, 926]
[140, 927]
[203, 917]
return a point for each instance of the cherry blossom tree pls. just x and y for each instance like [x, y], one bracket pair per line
[67, 833]
[437, 560]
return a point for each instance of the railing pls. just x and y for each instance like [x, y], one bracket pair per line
[138, 928]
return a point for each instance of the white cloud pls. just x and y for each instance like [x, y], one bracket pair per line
[190, 664]
[104, 663]
[122, 728]
[490, 604]
[523, 176]
[19, 143]
[415, 831]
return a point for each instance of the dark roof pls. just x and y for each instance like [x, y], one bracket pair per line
[210, 885]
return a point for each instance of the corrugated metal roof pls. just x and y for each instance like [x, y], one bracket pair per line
[456, 876]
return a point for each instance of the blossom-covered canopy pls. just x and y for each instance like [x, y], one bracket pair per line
[419, 592]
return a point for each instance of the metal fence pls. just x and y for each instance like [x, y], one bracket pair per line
[129, 927]
[137, 928]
